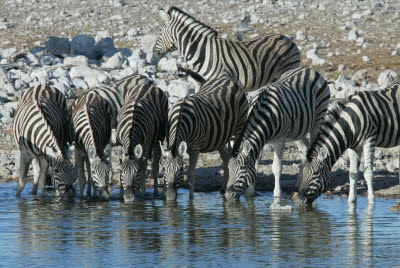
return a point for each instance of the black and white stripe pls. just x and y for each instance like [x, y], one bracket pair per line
[368, 119]
[41, 129]
[115, 94]
[251, 64]
[142, 124]
[286, 110]
[203, 123]
[91, 116]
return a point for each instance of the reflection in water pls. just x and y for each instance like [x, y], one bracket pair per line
[201, 232]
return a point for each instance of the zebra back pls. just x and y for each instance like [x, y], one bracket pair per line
[42, 120]
[91, 116]
[290, 107]
[251, 64]
[115, 93]
[209, 118]
[143, 118]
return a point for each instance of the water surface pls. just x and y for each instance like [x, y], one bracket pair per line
[203, 232]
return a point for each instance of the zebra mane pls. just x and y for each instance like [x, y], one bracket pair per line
[174, 146]
[332, 115]
[175, 12]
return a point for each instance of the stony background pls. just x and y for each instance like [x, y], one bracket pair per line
[79, 45]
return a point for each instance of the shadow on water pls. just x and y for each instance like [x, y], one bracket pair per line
[204, 231]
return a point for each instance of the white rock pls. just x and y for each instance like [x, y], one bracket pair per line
[360, 75]
[92, 77]
[356, 16]
[7, 52]
[60, 73]
[168, 65]
[102, 34]
[76, 60]
[180, 88]
[58, 46]
[300, 35]
[41, 76]
[132, 32]
[313, 55]
[341, 67]
[353, 35]
[63, 87]
[114, 62]
[386, 77]
[79, 83]
[390, 166]
[398, 45]
[147, 42]
[31, 59]
[105, 45]
[366, 58]
[84, 45]
[49, 59]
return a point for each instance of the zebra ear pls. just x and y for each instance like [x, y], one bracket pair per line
[70, 151]
[164, 153]
[107, 151]
[163, 14]
[246, 147]
[138, 151]
[182, 149]
[50, 152]
[322, 154]
[121, 152]
[91, 152]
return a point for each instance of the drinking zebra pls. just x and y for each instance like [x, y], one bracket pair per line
[91, 116]
[41, 129]
[368, 119]
[115, 93]
[251, 64]
[202, 123]
[142, 124]
[286, 110]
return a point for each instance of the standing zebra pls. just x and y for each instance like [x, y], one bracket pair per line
[251, 64]
[91, 116]
[284, 110]
[203, 123]
[41, 129]
[115, 94]
[367, 120]
[142, 124]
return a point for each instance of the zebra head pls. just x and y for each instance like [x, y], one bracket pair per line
[164, 42]
[130, 171]
[173, 171]
[242, 173]
[315, 178]
[100, 169]
[64, 173]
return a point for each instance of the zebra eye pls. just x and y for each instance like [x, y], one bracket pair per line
[56, 170]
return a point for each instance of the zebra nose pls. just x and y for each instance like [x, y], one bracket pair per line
[230, 195]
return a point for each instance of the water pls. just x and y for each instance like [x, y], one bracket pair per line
[204, 232]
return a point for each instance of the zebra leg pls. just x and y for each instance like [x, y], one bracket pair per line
[89, 178]
[36, 173]
[277, 167]
[155, 167]
[224, 152]
[369, 153]
[44, 167]
[79, 161]
[353, 174]
[193, 156]
[303, 146]
[142, 175]
[25, 161]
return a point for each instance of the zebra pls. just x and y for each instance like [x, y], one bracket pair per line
[286, 110]
[115, 94]
[91, 117]
[202, 123]
[42, 130]
[142, 124]
[251, 64]
[368, 119]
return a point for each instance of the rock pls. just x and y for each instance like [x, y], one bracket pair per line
[132, 32]
[58, 46]
[366, 58]
[151, 58]
[63, 87]
[41, 76]
[60, 73]
[360, 75]
[353, 35]
[84, 45]
[300, 35]
[313, 55]
[356, 16]
[386, 77]
[114, 62]
[341, 67]
[119, 3]
[102, 35]
[92, 77]
[180, 88]
[105, 45]
[337, 190]
[390, 167]
[79, 83]
[147, 42]
[6, 53]
[76, 60]
[49, 59]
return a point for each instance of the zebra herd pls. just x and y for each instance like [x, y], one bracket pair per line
[291, 102]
